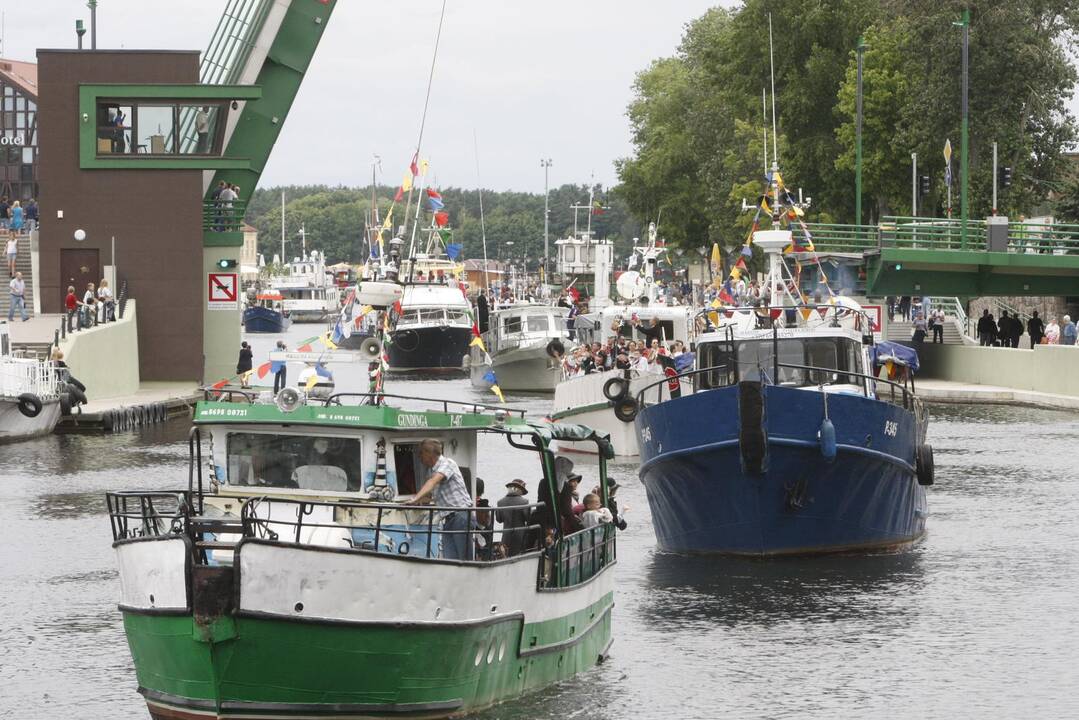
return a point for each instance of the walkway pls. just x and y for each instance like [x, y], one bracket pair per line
[946, 391]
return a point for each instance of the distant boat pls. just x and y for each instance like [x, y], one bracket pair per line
[266, 315]
[309, 292]
[33, 396]
[523, 345]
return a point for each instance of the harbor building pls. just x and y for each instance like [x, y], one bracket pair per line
[18, 130]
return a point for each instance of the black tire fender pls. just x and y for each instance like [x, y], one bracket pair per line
[625, 409]
[65, 404]
[924, 464]
[615, 389]
[78, 397]
[106, 421]
[30, 405]
[555, 349]
[75, 381]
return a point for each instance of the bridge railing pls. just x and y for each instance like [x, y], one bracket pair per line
[1043, 238]
[843, 238]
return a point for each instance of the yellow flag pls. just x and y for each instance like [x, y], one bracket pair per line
[764, 205]
[406, 182]
[327, 341]
[717, 260]
[388, 222]
[806, 312]
[713, 317]
[423, 167]
[498, 391]
[311, 382]
[779, 180]
[478, 342]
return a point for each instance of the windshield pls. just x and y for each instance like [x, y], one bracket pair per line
[830, 358]
[294, 461]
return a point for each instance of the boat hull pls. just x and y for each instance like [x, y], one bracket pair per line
[15, 426]
[365, 653]
[434, 348]
[527, 369]
[705, 499]
[264, 320]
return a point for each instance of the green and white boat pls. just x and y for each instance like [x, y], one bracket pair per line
[292, 579]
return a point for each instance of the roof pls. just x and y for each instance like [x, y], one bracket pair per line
[249, 229]
[22, 74]
[492, 265]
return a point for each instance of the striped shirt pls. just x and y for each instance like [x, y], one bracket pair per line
[451, 492]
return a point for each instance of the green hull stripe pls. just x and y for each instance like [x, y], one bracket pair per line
[328, 670]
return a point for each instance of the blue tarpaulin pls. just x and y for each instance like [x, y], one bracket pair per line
[902, 354]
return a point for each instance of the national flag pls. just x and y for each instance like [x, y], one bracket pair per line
[442, 219]
[263, 369]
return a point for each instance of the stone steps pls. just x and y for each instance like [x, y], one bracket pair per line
[23, 265]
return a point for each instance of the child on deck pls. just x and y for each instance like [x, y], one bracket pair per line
[594, 513]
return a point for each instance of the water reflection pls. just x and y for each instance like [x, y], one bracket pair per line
[689, 591]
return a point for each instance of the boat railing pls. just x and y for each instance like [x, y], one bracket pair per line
[765, 321]
[229, 395]
[387, 527]
[146, 514]
[726, 371]
[576, 558]
[475, 408]
[28, 375]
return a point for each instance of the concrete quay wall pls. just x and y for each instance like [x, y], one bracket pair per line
[1052, 369]
[105, 358]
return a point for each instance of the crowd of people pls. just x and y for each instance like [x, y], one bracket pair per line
[1008, 330]
[98, 305]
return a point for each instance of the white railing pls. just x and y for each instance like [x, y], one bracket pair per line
[23, 375]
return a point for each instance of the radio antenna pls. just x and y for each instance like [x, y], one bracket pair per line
[772, 70]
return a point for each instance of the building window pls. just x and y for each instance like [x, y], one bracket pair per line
[158, 128]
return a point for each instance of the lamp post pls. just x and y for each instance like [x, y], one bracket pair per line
[860, 51]
[546, 165]
[92, 4]
[964, 161]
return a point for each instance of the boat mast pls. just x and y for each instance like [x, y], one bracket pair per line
[423, 122]
[483, 227]
[775, 259]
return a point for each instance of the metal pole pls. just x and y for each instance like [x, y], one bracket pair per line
[546, 164]
[92, 4]
[964, 159]
[914, 185]
[283, 261]
[858, 143]
[994, 178]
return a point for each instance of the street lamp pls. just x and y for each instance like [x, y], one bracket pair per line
[858, 141]
[546, 165]
[963, 141]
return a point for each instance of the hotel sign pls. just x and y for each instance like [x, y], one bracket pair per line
[12, 140]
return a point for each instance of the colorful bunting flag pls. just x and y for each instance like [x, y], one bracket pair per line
[412, 165]
[442, 219]
[263, 369]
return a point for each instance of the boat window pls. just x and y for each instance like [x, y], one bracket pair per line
[294, 461]
[435, 315]
[458, 317]
[719, 356]
[406, 461]
[829, 358]
[512, 324]
[537, 323]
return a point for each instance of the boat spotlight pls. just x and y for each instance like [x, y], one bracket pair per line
[500, 416]
[288, 399]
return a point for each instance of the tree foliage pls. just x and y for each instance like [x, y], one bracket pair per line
[697, 117]
[334, 219]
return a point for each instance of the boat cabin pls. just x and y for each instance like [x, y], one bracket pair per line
[433, 305]
[676, 322]
[524, 325]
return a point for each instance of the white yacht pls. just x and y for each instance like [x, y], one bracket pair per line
[524, 343]
[596, 399]
[308, 292]
[31, 393]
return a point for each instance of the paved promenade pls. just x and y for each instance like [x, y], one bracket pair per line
[955, 392]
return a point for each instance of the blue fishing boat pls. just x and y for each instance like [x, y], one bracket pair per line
[266, 315]
[799, 434]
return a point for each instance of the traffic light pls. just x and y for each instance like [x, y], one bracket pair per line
[923, 184]
[1005, 177]
[226, 264]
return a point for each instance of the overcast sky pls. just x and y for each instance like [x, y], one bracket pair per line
[532, 80]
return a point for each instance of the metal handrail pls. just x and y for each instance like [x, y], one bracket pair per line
[223, 215]
[475, 407]
[258, 527]
[146, 519]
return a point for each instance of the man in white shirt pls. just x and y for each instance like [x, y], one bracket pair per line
[18, 297]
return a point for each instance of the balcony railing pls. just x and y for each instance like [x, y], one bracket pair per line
[223, 215]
